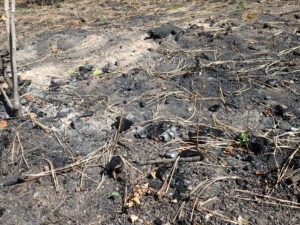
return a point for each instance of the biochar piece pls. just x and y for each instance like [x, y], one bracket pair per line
[122, 123]
[115, 166]
[164, 31]
[4, 143]
[191, 153]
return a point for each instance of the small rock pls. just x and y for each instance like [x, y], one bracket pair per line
[294, 129]
[158, 221]
[272, 82]
[2, 210]
[267, 97]
[206, 56]
[169, 134]
[133, 219]
[253, 47]
[152, 131]
[189, 188]
[284, 125]
[190, 108]
[59, 160]
[214, 108]
[171, 154]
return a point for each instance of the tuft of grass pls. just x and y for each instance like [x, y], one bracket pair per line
[241, 5]
[103, 20]
[175, 7]
[250, 16]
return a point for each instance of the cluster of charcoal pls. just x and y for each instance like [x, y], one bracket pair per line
[4, 73]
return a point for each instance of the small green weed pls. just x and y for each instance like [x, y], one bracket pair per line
[97, 72]
[241, 5]
[70, 71]
[243, 138]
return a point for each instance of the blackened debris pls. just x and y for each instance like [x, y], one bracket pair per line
[280, 110]
[272, 82]
[162, 172]
[10, 180]
[115, 166]
[214, 108]
[164, 31]
[85, 69]
[2, 210]
[125, 124]
[191, 153]
[169, 134]
[153, 131]
[258, 145]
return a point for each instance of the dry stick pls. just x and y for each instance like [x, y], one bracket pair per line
[172, 173]
[130, 165]
[77, 11]
[207, 182]
[211, 181]
[60, 143]
[81, 185]
[91, 156]
[52, 171]
[22, 150]
[8, 102]
[224, 218]
[82, 174]
[101, 182]
[188, 159]
[286, 165]
[268, 197]
[38, 123]
[271, 203]
[167, 182]
[179, 212]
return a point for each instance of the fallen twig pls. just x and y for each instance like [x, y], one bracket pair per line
[188, 159]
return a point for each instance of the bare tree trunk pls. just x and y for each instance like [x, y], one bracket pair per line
[10, 8]
[14, 71]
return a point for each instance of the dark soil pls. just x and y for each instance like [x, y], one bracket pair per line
[162, 113]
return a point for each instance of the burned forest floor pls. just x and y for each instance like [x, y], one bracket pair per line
[154, 112]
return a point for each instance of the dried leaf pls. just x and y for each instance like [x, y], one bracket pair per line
[138, 191]
[229, 150]
[46, 168]
[3, 124]
[29, 98]
[250, 16]
[260, 172]
[4, 17]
